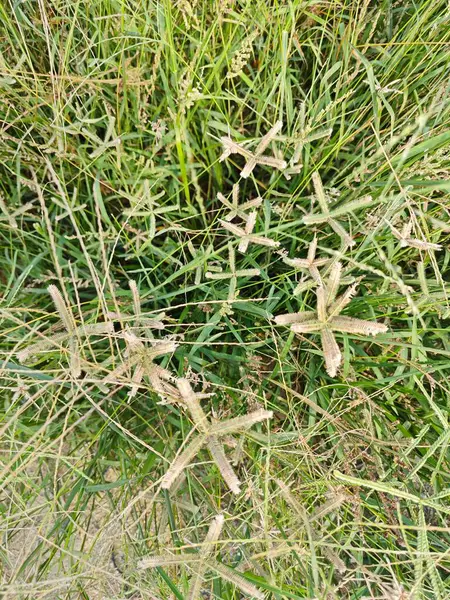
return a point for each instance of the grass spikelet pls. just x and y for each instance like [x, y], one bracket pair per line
[190, 399]
[209, 437]
[238, 424]
[291, 318]
[64, 312]
[320, 192]
[223, 464]
[238, 580]
[353, 325]
[151, 562]
[35, 349]
[136, 298]
[208, 549]
[333, 282]
[330, 505]
[331, 352]
[182, 461]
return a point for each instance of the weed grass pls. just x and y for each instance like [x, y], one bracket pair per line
[116, 120]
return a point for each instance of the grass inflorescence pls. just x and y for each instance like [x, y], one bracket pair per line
[224, 229]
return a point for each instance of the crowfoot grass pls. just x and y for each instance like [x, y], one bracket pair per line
[110, 173]
[202, 561]
[72, 335]
[257, 157]
[236, 209]
[327, 319]
[330, 216]
[210, 435]
[246, 235]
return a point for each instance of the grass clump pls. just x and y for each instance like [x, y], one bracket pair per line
[175, 179]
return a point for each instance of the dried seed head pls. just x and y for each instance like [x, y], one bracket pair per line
[331, 352]
[358, 326]
[299, 317]
[64, 312]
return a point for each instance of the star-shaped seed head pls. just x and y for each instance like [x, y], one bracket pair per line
[257, 157]
[143, 325]
[141, 357]
[405, 239]
[306, 133]
[309, 520]
[330, 217]
[236, 209]
[200, 256]
[246, 235]
[72, 334]
[310, 264]
[232, 274]
[326, 319]
[202, 561]
[210, 433]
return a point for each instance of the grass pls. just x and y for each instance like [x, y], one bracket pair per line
[111, 117]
